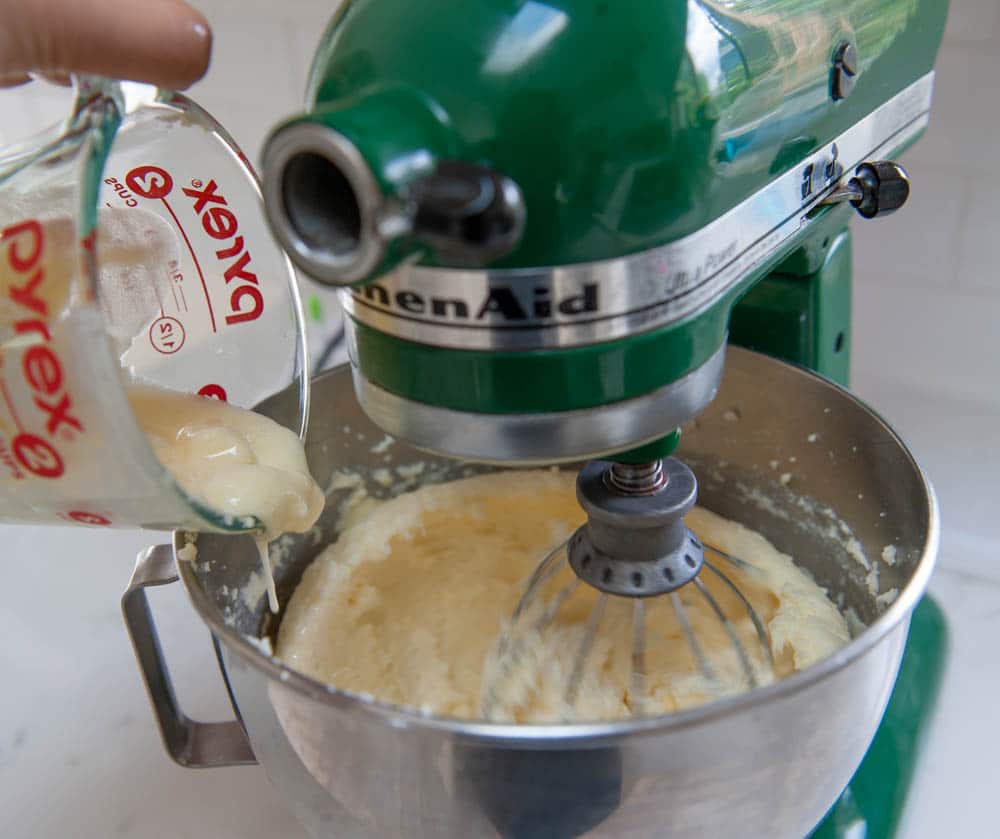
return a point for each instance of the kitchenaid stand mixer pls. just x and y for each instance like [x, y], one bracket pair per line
[549, 251]
[556, 213]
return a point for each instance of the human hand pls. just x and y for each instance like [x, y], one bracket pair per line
[162, 42]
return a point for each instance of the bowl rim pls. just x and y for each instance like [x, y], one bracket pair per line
[588, 734]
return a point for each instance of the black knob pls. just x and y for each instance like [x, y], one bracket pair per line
[467, 214]
[884, 187]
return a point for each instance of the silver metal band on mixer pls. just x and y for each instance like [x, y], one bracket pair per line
[574, 305]
[532, 438]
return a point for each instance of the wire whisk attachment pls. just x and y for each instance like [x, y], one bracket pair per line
[632, 594]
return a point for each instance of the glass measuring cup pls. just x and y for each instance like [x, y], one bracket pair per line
[133, 247]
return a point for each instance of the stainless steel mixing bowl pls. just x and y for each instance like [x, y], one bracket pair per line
[766, 763]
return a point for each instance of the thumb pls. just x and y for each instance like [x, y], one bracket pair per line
[163, 42]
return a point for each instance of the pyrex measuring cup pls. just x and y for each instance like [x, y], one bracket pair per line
[133, 247]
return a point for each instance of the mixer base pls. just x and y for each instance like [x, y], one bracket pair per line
[872, 803]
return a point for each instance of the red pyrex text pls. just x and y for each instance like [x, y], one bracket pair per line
[246, 303]
[219, 222]
[40, 364]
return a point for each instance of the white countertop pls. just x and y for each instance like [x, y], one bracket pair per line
[79, 752]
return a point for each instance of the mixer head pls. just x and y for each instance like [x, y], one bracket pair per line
[549, 210]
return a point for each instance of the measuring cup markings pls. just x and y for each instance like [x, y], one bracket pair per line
[177, 285]
[210, 204]
[155, 184]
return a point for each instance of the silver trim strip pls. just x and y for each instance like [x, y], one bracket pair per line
[528, 439]
[581, 304]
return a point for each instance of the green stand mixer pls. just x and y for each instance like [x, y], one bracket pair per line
[554, 215]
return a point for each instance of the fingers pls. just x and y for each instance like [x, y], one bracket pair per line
[163, 42]
[61, 79]
[18, 79]
[14, 79]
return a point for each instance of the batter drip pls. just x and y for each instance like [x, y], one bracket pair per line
[237, 462]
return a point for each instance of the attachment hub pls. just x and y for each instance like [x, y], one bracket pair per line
[635, 543]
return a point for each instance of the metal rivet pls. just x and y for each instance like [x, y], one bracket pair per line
[845, 70]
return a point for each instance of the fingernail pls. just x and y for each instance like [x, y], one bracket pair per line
[197, 50]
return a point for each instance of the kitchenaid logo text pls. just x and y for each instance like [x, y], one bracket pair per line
[27, 285]
[499, 303]
[220, 223]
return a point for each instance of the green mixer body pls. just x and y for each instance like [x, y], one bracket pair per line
[626, 125]
[644, 138]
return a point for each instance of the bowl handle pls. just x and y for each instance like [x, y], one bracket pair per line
[189, 742]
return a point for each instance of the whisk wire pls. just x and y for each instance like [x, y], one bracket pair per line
[758, 624]
[727, 625]
[742, 564]
[638, 678]
[561, 597]
[509, 645]
[700, 659]
[586, 645]
[542, 574]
